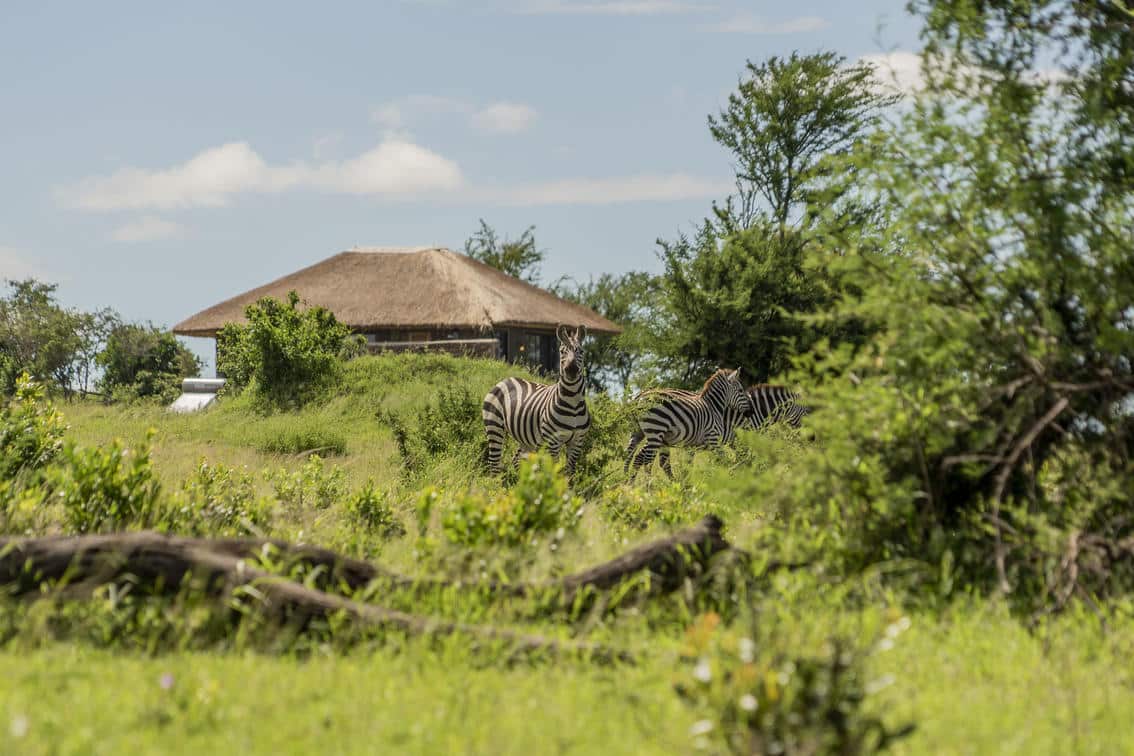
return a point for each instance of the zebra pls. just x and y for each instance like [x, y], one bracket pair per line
[541, 413]
[771, 403]
[685, 418]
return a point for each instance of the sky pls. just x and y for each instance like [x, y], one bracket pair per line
[161, 157]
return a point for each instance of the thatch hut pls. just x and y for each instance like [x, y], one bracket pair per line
[421, 298]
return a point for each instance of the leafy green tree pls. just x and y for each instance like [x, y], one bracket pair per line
[627, 300]
[144, 361]
[38, 336]
[738, 292]
[520, 257]
[987, 424]
[787, 119]
[287, 354]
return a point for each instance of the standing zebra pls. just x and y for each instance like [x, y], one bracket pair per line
[541, 413]
[684, 418]
[771, 403]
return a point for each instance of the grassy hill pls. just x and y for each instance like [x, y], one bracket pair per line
[125, 672]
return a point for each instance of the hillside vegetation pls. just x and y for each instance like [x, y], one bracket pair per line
[124, 671]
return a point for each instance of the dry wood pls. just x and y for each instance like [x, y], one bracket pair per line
[163, 563]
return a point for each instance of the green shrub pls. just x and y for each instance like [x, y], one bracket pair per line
[106, 487]
[286, 354]
[304, 440]
[142, 361]
[31, 430]
[636, 508]
[312, 485]
[760, 700]
[438, 428]
[539, 503]
[221, 499]
[372, 509]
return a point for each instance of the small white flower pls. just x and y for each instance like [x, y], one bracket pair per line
[701, 727]
[885, 644]
[748, 702]
[703, 672]
[20, 726]
[876, 685]
[747, 650]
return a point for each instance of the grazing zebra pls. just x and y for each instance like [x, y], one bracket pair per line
[773, 403]
[684, 418]
[541, 413]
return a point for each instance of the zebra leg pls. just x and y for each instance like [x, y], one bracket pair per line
[663, 460]
[516, 457]
[647, 453]
[574, 451]
[635, 440]
[493, 416]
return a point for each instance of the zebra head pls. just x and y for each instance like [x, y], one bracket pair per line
[571, 352]
[736, 397]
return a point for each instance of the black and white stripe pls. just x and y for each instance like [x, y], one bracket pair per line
[772, 404]
[535, 414]
[684, 418]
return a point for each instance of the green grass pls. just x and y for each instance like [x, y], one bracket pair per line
[973, 678]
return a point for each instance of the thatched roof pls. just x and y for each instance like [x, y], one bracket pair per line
[419, 287]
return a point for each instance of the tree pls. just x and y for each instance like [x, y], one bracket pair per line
[287, 354]
[38, 336]
[739, 291]
[786, 120]
[627, 300]
[141, 361]
[987, 422]
[516, 257]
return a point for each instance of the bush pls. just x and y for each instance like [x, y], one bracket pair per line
[286, 354]
[440, 427]
[637, 508]
[540, 502]
[372, 509]
[31, 430]
[106, 488]
[304, 440]
[312, 485]
[143, 362]
[756, 700]
[221, 499]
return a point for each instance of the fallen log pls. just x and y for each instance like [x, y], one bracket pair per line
[163, 563]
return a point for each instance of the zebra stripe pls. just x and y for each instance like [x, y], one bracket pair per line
[684, 418]
[535, 414]
[772, 403]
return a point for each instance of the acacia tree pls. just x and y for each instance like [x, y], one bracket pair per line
[987, 420]
[516, 257]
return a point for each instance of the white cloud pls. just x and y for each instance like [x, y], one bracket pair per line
[900, 71]
[602, 191]
[501, 117]
[612, 8]
[746, 23]
[504, 117]
[215, 175]
[16, 267]
[149, 228]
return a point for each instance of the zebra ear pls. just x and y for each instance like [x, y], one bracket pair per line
[581, 333]
[736, 374]
[561, 332]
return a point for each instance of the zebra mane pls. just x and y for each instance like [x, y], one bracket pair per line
[719, 372]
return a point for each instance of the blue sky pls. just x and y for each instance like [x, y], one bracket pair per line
[160, 157]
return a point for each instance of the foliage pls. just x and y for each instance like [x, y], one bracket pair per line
[106, 488]
[520, 258]
[986, 426]
[539, 503]
[31, 430]
[288, 355]
[758, 702]
[141, 361]
[312, 485]
[38, 337]
[372, 509]
[220, 499]
[628, 300]
[734, 293]
[787, 119]
[444, 426]
[632, 509]
[303, 441]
